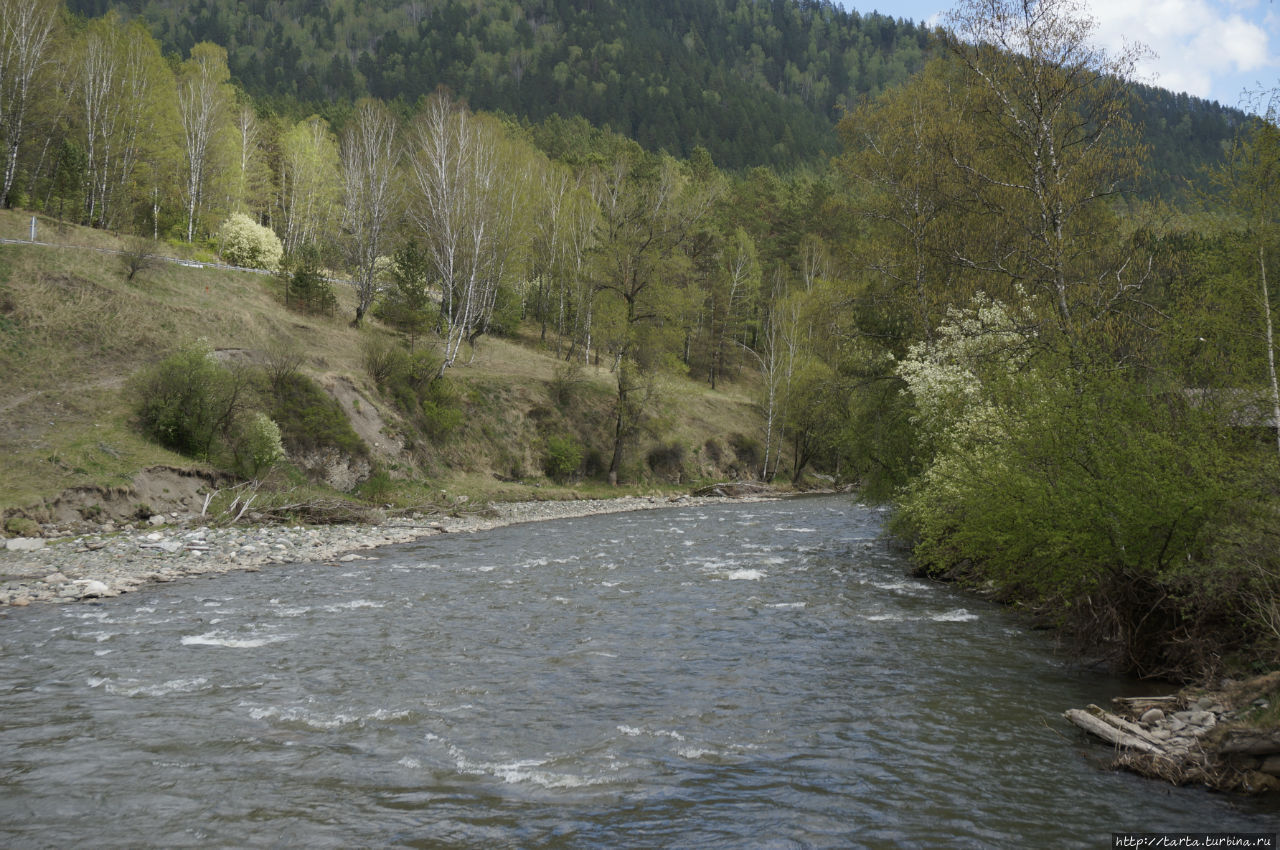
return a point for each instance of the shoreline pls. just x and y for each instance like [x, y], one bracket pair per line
[111, 563]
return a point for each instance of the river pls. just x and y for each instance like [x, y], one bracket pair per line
[738, 675]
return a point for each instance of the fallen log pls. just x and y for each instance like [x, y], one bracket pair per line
[1251, 743]
[1110, 733]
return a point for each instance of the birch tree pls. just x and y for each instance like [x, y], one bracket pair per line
[251, 188]
[1251, 178]
[26, 40]
[123, 80]
[310, 183]
[465, 209]
[741, 278]
[203, 101]
[1050, 110]
[370, 160]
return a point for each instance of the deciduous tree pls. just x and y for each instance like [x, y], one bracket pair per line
[370, 157]
[204, 98]
[26, 38]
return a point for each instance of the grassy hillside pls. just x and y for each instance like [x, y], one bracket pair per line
[73, 330]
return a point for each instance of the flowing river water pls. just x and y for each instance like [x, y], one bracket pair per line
[739, 675]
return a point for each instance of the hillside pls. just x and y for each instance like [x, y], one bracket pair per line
[74, 333]
[755, 83]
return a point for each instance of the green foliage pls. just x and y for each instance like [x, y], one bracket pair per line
[258, 445]
[378, 488]
[440, 412]
[563, 457]
[189, 401]
[305, 287]
[246, 243]
[413, 381]
[667, 460]
[567, 385]
[20, 526]
[749, 453]
[1088, 493]
[407, 304]
[310, 419]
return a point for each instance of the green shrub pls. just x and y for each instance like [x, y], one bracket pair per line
[305, 287]
[382, 358]
[563, 457]
[258, 445]
[441, 410]
[407, 304]
[566, 387]
[414, 383]
[749, 451]
[249, 244]
[188, 401]
[667, 460]
[377, 488]
[505, 318]
[310, 419]
[20, 526]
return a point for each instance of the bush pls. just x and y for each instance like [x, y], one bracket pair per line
[249, 244]
[20, 526]
[566, 387]
[414, 383]
[406, 305]
[382, 358]
[138, 255]
[748, 450]
[667, 460]
[188, 401]
[311, 419]
[441, 411]
[563, 457]
[258, 446]
[305, 287]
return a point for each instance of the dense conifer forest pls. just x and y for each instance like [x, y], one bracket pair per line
[754, 83]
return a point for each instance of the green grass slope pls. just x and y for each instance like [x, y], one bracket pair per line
[73, 330]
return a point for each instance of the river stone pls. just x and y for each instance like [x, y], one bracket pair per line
[157, 519]
[54, 578]
[1152, 715]
[91, 587]
[24, 544]
[1204, 718]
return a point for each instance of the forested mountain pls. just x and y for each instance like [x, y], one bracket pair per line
[755, 82]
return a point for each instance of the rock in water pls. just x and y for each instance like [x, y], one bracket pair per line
[91, 588]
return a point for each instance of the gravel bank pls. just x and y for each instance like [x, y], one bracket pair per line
[93, 566]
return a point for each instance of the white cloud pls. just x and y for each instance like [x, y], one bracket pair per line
[1198, 44]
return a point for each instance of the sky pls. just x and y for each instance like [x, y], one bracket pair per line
[1215, 49]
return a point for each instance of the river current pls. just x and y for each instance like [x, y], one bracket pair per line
[740, 675]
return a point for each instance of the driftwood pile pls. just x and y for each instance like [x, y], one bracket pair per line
[1226, 740]
[735, 489]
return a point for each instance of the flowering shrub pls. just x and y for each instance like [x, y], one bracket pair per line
[249, 244]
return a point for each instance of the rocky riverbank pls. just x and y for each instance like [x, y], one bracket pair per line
[1227, 739]
[108, 563]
